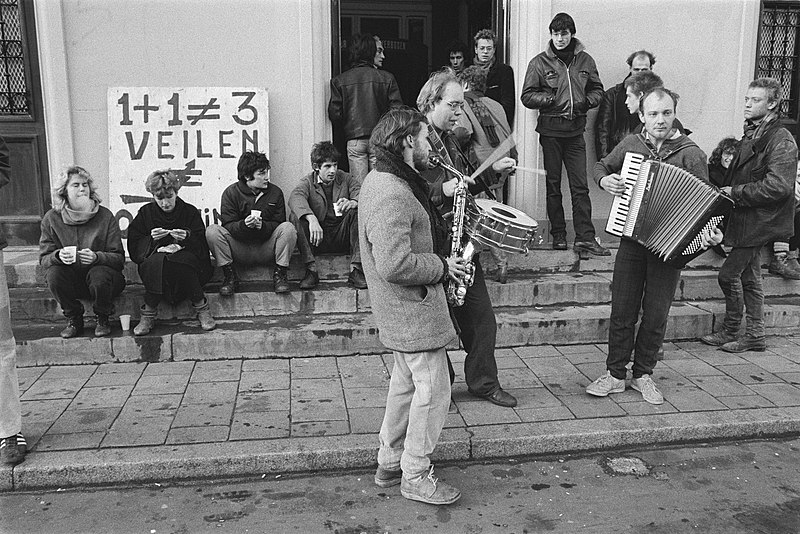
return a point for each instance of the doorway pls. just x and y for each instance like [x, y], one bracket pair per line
[25, 200]
[415, 34]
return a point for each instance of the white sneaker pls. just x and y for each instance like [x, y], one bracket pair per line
[604, 385]
[648, 389]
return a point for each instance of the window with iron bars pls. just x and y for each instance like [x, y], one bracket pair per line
[13, 85]
[779, 44]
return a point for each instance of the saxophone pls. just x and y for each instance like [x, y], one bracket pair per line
[460, 244]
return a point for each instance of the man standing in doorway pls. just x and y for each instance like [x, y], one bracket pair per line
[614, 121]
[359, 96]
[499, 76]
[563, 84]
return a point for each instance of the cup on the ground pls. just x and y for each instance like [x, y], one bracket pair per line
[125, 322]
[69, 255]
[256, 213]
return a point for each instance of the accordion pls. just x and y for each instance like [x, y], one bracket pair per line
[665, 209]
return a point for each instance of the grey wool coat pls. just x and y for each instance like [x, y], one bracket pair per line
[403, 272]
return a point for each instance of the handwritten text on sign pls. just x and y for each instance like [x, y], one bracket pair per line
[198, 132]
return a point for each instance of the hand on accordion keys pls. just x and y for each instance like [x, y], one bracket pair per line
[457, 268]
[711, 238]
[613, 183]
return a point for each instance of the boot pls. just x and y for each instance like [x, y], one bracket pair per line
[102, 328]
[146, 322]
[280, 280]
[207, 322]
[791, 261]
[74, 328]
[779, 265]
[231, 282]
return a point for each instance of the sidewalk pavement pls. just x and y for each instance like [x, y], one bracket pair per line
[129, 423]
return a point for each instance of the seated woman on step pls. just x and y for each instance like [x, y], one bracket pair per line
[81, 249]
[167, 241]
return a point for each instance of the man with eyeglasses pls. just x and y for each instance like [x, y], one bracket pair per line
[499, 76]
[442, 101]
[563, 84]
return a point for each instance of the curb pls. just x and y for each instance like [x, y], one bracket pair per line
[168, 464]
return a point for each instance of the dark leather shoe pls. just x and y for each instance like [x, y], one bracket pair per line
[356, 279]
[74, 328]
[592, 247]
[500, 398]
[102, 328]
[745, 344]
[280, 280]
[310, 280]
[559, 242]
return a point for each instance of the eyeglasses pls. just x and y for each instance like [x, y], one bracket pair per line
[455, 105]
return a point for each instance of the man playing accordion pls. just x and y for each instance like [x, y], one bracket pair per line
[642, 281]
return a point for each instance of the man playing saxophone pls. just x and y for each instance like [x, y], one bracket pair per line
[442, 101]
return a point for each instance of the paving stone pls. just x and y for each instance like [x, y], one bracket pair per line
[692, 399]
[745, 402]
[161, 384]
[28, 375]
[692, 368]
[486, 413]
[572, 384]
[195, 434]
[221, 371]
[365, 397]
[518, 377]
[507, 359]
[453, 420]
[592, 370]
[642, 407]
[536, 351]
[113, 379]
[169, 368]
[69, 372]
[580, 349]
[92, 419]
[791, 378]
[553, 413]
[779, 394]
[551, 366]
[70, 441]
[528, 398]
[199, 415]
[265, 401]
[120, 367]
[128, 432]
[719, 357]
[331, 409]
[368, 420]
[210, 392]
[772, 362]
[316, 388]
[257, 380]
[585, 358]
[259, 425]
[585, 406]
[790, 351]
[363, 372]
[314, 368]
[748, 374]
[58, 388]
[265, 365]
[43, 411]
[722, 386]
[101, 397]
[151, 406]
[320, 428]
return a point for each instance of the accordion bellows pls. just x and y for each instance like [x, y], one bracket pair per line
[666, 209]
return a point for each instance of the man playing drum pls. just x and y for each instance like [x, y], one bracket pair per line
[442, 101]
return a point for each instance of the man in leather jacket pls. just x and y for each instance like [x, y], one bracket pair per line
[359, 96]
[563, 84]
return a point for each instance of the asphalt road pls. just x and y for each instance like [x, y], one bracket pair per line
[744, 487]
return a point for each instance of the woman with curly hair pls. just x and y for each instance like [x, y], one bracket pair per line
[81, 249]
[721, 159]
[167, 240]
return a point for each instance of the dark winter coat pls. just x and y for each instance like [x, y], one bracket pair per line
[238, 200]
[100, 234]
[359, 97]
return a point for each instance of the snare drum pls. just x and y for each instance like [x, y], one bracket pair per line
[494, 224]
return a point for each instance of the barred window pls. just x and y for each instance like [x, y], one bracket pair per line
[13, 87]
[778, 50]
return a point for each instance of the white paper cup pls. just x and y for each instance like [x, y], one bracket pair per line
[337, 207]
[256, 213]
[72, 255]
[125, 322]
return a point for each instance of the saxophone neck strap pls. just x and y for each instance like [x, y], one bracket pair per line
[438, 145]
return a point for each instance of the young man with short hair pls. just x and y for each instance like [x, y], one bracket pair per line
[563, 84]
[499, 76]
[324, 210]
[642, 282]
[761, 178]
[254, 229]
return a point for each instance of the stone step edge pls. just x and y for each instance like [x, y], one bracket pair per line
[357, 452]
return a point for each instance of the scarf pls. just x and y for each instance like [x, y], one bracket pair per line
[393, 164]
[485, 119]
[567, 53]
[753, 130]
[73, 217]
[485, 65]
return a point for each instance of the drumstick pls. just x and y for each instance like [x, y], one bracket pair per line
[499, 152]
[530, 170]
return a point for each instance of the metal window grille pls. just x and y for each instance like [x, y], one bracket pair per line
[778, 50]
[13, 86]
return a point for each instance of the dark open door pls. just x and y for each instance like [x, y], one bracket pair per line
[27, 198]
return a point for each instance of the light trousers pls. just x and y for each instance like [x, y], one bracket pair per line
[10, 408]
[416, 409]
[226, 249]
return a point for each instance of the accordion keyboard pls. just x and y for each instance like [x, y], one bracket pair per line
[622, 203]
